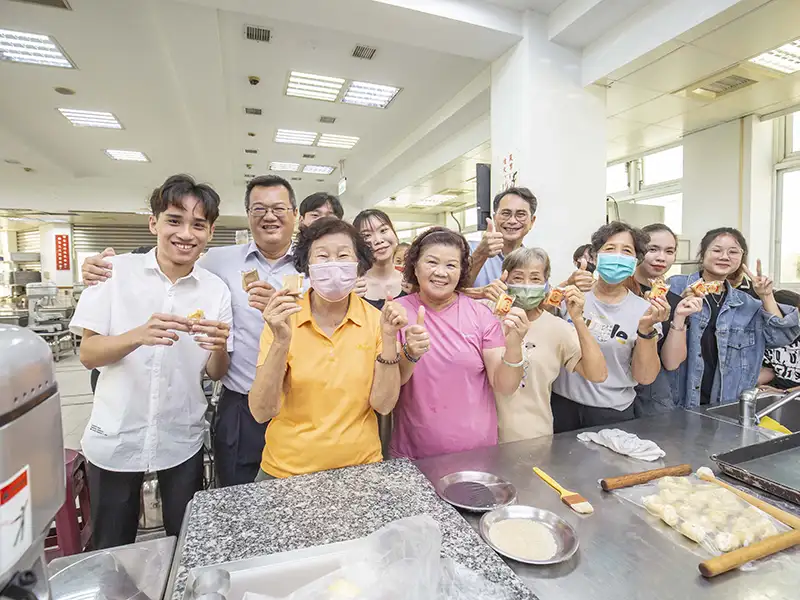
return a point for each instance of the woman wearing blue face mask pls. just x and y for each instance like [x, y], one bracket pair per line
[625, 326]
[550, 345]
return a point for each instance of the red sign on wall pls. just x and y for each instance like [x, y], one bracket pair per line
[62, 252]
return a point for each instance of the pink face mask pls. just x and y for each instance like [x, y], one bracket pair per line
[333, 281]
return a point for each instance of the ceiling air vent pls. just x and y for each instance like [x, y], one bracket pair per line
[51, 3]
[252, 111]
[250, 151]
[257, 34]
[309, 155]
[726, 85]
[727, 82]
[364, 52]
[297, 179]
[327, 120]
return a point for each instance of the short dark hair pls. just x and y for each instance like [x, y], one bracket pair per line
[656, 227]
[708, 239]
[373, 213]
[268, 181]
[433, 237]
[176, 188]
[522, 192]
[787, 297]
[329, 226]
[580, 250]
[602, 235]
[320, 199]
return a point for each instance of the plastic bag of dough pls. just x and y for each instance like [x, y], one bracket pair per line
[401, 561]
[709, 518]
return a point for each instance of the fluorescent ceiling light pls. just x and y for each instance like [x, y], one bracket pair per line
[318, 169]
[283, 166]
[369, 94]
[316, 87]
[290, 136]
[330, 140]
[133, 155]
[32, 48]
[785, 59]
[435, 200]
[91, 118]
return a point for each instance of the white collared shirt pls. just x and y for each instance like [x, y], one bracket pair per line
[149, 408]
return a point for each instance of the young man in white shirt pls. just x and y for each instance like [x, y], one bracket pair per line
[153, 329]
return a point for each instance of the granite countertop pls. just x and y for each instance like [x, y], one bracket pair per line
[332, 506]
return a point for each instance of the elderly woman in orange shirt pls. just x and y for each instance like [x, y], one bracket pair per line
[328, 360]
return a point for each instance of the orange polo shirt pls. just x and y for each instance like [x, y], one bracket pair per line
[325, 420]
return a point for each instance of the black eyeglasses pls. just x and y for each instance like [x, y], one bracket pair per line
[521, 215]
[261, 211]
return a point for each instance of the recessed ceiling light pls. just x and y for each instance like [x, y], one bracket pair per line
[785, 59]
[435, 200]
[330, 140]
[316, 87]
[318, 169]
[133, 155]
[12, 161]
[283, 166]
[91, 118]
[64, 91]
[290, 136]
[369, 94]
[32, 48]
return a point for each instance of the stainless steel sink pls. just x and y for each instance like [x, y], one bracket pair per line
[787, 415]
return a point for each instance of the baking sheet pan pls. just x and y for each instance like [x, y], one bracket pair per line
[772, 466]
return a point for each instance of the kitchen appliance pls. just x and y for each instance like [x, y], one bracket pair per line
[32, 480]
[48, 313]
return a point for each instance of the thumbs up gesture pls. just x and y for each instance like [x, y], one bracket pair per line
[417, 340]
[393, 317]
[582, 278]
[492, 241]
[496, 288]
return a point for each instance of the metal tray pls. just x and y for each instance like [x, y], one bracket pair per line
[772, 466]
[476, 491]
[563, 533]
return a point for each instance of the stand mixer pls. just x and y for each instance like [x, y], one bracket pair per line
[32, 479]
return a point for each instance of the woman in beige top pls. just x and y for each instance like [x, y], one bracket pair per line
[550, 344]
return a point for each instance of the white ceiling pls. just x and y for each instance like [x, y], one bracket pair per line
[175, 74]
[643, 113]
[542, 6]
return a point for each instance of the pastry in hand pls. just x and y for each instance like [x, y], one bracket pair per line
[555, 297]
[249, 277]
[197, 315]
[293, 284]
[503, 305]
[714, 287]
[658, 288]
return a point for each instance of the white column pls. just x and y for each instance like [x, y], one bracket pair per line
[555, 130]
[727, 182]
[50, 270]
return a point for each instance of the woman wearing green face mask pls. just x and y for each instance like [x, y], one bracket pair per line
[550, 344]
[626, 328]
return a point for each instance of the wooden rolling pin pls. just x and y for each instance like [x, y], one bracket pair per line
[615, 483]
[773, 511]
[732, 560]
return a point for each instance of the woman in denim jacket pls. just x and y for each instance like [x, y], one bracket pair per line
[718, 352]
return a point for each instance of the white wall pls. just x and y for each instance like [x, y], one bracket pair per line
[711, 181]
[728, 181]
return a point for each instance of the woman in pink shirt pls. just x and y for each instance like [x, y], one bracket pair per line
[456, 354]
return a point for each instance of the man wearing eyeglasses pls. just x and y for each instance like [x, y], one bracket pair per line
[514, 216]
[272, 211]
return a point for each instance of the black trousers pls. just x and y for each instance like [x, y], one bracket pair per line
[238, 440]
[569, 415]
[116, 500]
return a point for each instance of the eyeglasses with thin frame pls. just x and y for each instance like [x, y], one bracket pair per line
[521, 215]
[730, 252]
[260, 212]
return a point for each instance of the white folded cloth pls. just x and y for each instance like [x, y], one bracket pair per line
[624, 443]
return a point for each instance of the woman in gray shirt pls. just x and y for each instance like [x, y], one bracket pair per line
[627, 328]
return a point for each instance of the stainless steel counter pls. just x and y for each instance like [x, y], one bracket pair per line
[622, 556]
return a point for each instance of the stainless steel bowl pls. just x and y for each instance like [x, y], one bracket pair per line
[475, 490]
[563, 533]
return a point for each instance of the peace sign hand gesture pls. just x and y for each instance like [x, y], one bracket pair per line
[762, 284]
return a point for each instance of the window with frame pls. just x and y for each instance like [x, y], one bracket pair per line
[661, 167]
[789, 216]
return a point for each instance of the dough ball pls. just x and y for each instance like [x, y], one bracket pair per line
[693, 531]
[670, 516]
[705, 471]
[673, 495]
[698, 500]
[718, 518]
[726, 541]
[654, 505]
[687, 512]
